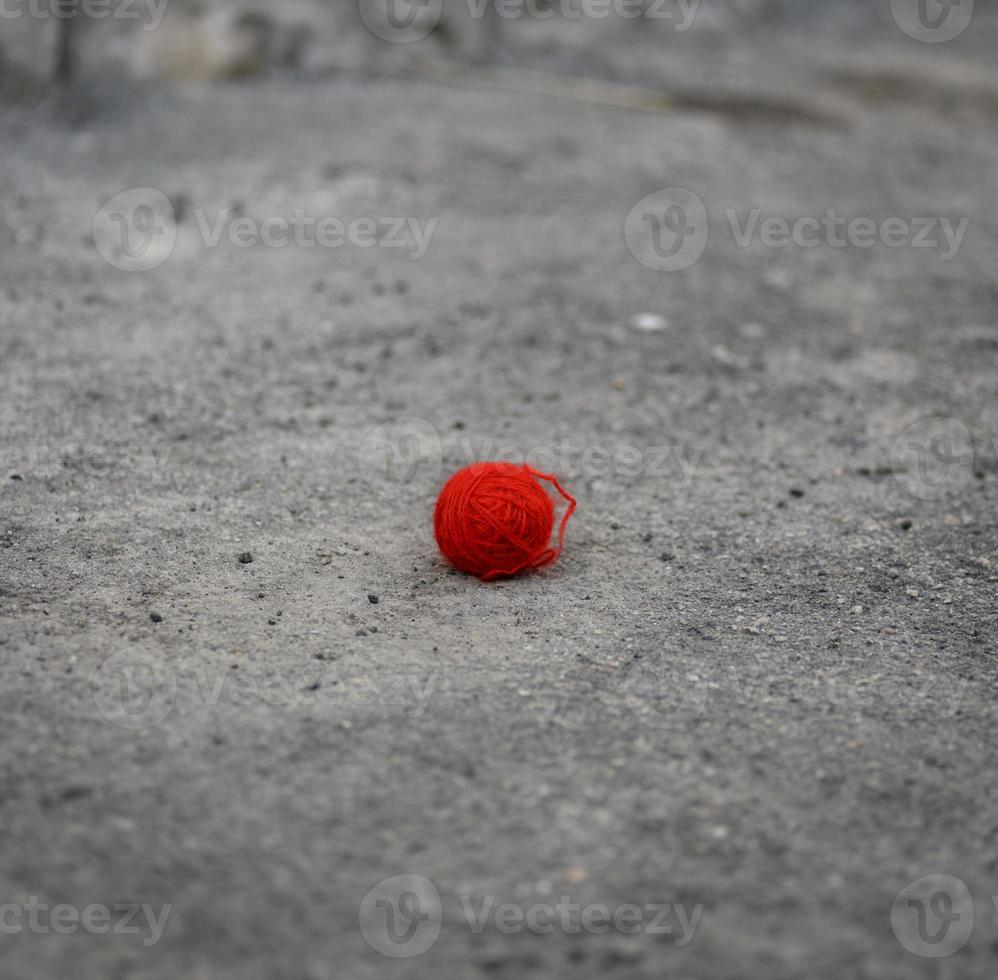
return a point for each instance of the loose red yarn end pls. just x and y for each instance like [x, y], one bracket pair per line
[494, 520]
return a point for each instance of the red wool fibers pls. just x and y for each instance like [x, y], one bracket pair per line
[495, 519]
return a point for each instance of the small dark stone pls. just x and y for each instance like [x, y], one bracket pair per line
[361, 633]
[245, 558]
[181, 202]
[314, 686]
[75, 793]
[156, 617]
[16, 476]
[905, 524]
[796, 492]
[271, 622]
[666, 556]
[373, 599]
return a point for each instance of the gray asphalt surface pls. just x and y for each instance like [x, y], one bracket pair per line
[760, 681]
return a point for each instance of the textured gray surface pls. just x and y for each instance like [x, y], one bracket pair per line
[761, 677]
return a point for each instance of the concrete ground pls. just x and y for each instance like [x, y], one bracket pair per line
[754, 700]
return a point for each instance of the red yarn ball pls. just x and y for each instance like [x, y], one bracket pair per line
[495, 519]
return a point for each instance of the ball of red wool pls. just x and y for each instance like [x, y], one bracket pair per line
[496, 519]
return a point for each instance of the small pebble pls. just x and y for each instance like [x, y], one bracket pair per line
[649, 322]
[156, 617]
[905, 524]
[373, 599]
[245, 558]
